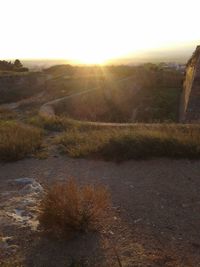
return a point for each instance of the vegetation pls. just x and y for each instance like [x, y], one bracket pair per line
[68, 208]
[138, 141]
[18, 140]
[57, 123]
[7, 114]
[145, 93]
[9, 66]
[18, 86]
[123, 93]
[157, 105]
[141, 141]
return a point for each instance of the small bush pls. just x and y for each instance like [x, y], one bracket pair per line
[68, 208]
[18, 140]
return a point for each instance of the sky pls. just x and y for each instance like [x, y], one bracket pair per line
[93, 31]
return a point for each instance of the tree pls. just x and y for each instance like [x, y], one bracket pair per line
[18, 64]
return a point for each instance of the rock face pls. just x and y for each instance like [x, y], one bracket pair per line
[190, 100]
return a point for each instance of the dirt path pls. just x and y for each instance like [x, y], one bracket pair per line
[47, 109]
[158, 199]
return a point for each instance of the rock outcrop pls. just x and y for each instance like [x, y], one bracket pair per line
[20, 204]
[190, 100]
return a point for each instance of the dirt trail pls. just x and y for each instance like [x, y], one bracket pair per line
[159, 199]
[47, 109]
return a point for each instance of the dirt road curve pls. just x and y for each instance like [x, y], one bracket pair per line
[47, 109]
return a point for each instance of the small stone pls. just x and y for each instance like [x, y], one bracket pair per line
[111, 232]
[138, 220]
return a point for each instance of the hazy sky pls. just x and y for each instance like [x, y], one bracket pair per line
[94, 30]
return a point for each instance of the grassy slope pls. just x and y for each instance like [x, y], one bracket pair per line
[139, 141]
[152, 92]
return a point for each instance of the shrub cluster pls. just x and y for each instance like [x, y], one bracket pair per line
[68, 208]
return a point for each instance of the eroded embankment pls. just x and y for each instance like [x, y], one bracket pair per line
[190, 100]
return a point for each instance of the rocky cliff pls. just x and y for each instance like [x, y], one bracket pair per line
[190, 100]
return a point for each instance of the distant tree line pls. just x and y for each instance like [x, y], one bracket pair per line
[9, 66]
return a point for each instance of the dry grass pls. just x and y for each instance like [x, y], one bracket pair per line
[18, 140]
[7, 114]
[138, 142]
[12, 262]
[57, 123]
[68, 208]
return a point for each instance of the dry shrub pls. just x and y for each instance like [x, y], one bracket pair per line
[68, 208]
[18, 140]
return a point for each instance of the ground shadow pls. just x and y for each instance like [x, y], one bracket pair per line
[80, 251]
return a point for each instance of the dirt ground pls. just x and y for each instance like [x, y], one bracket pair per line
[156, 219]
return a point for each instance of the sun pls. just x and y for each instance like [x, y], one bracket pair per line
[92, 58]
[94, 31]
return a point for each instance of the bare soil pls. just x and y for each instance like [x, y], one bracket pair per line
[155, 219]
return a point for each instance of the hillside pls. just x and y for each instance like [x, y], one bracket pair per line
[148, 93]
[147, 172]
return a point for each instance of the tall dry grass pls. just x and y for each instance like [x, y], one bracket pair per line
[138, 142]
[18, 140]
[56, 123]
[7, 114]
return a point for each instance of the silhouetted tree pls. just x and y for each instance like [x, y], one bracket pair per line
[18, 64]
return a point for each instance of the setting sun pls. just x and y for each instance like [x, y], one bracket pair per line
[91, 57]
[94, 31]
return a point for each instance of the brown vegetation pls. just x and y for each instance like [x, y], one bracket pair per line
[145, 93]
[141, 141]
[7, 114]
[18, 140]
[68, 208]
[57, 123]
